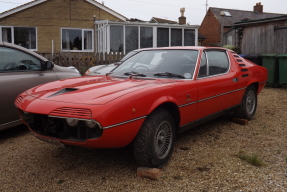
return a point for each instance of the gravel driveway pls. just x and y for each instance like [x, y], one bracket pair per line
[205, 158]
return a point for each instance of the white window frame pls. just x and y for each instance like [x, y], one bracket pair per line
[83, 42]
[103, 29]
[12, 34]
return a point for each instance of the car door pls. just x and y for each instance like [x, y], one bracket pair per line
[217, 83]
[19, 71]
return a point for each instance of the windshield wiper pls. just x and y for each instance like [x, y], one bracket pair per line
[169, 74]
[134, 73]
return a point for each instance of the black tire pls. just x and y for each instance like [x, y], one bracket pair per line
[154, 142]
[248, 105]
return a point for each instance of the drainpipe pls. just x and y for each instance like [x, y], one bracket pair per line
[52, 50]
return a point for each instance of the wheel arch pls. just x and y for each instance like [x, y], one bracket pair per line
[256, 85]
[172, 108]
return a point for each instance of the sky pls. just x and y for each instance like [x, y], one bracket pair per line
[194, 9]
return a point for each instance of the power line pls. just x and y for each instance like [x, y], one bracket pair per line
[163, 4]
[10, 2]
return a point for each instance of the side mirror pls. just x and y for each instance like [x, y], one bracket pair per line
[47, 65]
[50, 65]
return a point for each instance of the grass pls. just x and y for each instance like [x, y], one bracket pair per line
[251, 159]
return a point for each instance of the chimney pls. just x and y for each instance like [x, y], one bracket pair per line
[182, 18]
[258, 8]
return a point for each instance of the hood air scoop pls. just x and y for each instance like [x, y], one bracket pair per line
[66, 90]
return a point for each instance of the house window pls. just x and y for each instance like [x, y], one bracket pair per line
[88, 40]
[176, 37]
[227, 13]
[146, 36]
[7, 34]
[127, 36]
[132, 38]
[189, 37]
[229, 40]
[23, 36]
[77, 40]
[162, 37]
[116, 38]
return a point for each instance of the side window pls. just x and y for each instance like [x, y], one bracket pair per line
[15, 60]
[203, 66]
[213, 62]
[217, 62]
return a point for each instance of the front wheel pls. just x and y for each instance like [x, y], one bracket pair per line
[154, 142]
[248, 104]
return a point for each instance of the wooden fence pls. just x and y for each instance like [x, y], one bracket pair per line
[83, 61]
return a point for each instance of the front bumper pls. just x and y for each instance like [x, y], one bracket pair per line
[56, 129]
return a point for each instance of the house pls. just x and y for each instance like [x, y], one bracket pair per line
[55, 25]
[217, 24]
[263, 36]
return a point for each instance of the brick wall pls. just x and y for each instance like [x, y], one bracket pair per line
[51, 15]
[210, 28]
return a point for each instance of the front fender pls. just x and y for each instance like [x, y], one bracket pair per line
[162, 100]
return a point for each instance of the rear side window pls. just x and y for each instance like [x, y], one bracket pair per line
[15, 60]
[213, 62]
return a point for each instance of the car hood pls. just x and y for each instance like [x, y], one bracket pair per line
[92, 90]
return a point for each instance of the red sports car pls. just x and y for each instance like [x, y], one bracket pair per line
[146, 100]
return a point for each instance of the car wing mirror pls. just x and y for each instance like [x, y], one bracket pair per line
[47, 65]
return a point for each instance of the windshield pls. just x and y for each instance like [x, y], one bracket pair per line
[128, 55]
[159, 64]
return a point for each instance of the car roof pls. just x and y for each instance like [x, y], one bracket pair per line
[6, 44]
[181, 48]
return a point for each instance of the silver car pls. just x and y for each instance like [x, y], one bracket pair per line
[104, 69]
[21, 69]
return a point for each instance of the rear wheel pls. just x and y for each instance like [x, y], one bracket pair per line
[154, 142]
[248, 104]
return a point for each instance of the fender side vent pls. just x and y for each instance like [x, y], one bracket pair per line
[66, 90]
[18, 101]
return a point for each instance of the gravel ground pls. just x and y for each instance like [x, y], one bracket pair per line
[205, 158]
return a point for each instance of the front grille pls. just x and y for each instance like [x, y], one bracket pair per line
[72, 112]
[58, 128]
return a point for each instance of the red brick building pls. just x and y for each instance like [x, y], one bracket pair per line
[217, 24]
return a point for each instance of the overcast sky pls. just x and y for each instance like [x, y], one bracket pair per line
[168, 9]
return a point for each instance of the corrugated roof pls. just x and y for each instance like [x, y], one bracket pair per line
[36, 2]
[269, 19]
[239, 15]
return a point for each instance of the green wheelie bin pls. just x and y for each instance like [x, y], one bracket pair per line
[282, 60]
[269, 61]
